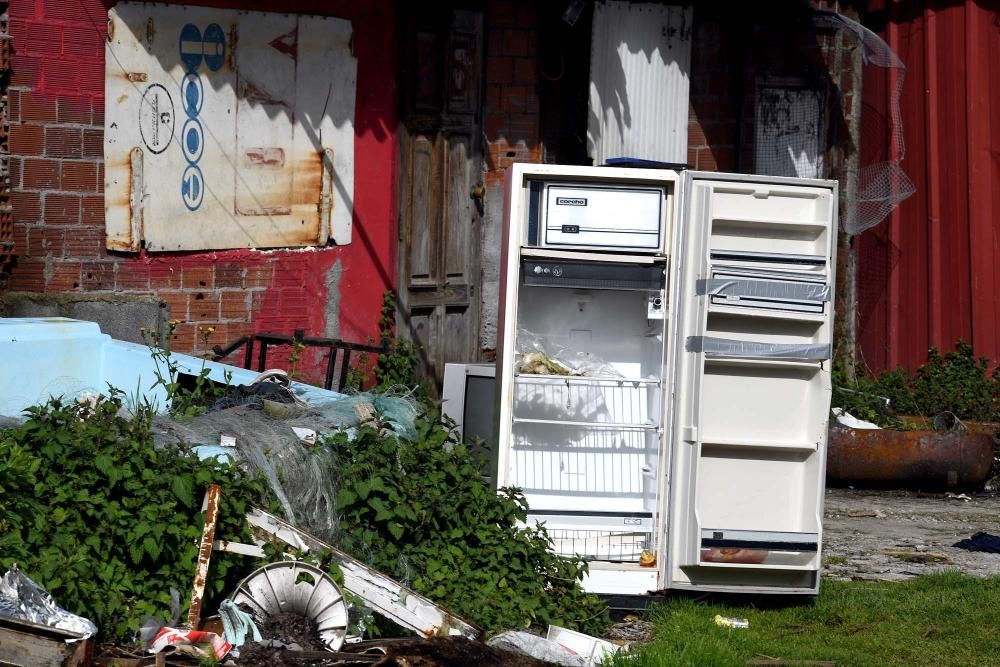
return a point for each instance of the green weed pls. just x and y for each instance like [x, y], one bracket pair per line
[106, 522]
[940, 619]
[420, 510]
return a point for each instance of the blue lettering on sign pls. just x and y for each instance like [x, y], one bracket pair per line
[192, 187]
[214, 47]
[193, 140]
[195, 48]
[192, 94]
[191, 48]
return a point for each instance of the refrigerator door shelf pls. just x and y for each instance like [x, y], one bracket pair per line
[751, 291]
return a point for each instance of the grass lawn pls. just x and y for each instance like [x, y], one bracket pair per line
[941, 619]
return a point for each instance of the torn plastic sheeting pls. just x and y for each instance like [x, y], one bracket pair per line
[23, 599]
[722, 347]
[533, 646]
[845, 418]
[763, 289]
[195, 643]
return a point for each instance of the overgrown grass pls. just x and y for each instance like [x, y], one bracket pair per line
[939, 619]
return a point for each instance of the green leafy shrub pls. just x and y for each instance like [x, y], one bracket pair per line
[421, 511]
[397, 366]
[106, 522]
[863, 399]
[956, 382]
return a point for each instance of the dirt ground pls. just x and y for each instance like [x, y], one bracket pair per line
[894, 535]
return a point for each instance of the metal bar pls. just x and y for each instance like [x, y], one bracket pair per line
[248, 357]
[262, 360]
[222, 352]
[204, 554]
[384, 594]
[283, 339]
[345, 365]
[330, 364]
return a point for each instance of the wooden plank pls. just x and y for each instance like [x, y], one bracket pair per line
[449, 295]
[204, 553]
[24, 644]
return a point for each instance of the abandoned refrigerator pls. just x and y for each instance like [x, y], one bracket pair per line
[663, 376]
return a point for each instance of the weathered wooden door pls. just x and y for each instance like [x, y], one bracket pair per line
[441, 170]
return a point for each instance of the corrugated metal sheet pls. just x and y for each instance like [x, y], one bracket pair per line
[639, 65]
[929, 276]
[227, 129]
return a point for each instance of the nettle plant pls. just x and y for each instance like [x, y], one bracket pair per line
[108, 523]
[420, 510]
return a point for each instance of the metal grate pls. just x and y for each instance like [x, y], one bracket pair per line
[601, 544]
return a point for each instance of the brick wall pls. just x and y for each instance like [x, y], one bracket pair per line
[714, 107]
[730, 51]
[57, 174]
[511, 115]
[6, 219]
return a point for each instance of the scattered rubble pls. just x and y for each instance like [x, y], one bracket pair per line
[865, 530]
[293, 628]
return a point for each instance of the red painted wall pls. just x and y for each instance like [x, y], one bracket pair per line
[56, 138]
[928, 276]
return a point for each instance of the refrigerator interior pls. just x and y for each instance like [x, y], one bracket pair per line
[586, 448]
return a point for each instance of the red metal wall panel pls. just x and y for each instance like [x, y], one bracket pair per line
[928, 275]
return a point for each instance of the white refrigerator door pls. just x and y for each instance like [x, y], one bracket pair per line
[752, 345]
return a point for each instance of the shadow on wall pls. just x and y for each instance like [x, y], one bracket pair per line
[736, 49]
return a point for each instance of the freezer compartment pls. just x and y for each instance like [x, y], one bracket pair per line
[609, 217]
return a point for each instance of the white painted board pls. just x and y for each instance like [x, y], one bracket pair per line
[227, 129]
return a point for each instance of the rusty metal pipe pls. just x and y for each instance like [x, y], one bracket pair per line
[941, 459]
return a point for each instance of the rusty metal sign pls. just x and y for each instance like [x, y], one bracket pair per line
[227, 129]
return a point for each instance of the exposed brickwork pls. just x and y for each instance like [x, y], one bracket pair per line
[511, 114]
[714, 108]
[10, 237]
[56, 112]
